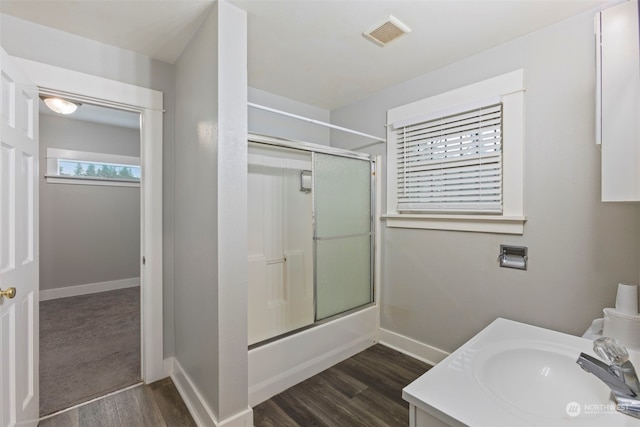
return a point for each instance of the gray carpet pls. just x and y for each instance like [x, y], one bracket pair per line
[89, 346]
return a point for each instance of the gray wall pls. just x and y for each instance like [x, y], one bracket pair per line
[69, 134]
[38, 43]
[210, 211]
[272, 124]
[88, 233]
[196, 269]
[441, 287]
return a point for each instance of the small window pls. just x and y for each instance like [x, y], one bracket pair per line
[455, 161]
[452, 163]
[78, 167]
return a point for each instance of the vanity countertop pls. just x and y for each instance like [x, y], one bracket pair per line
[513, 374]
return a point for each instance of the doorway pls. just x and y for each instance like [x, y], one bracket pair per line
[51, 80]
[89, 254]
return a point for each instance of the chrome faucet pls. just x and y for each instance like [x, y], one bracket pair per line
[619, 374]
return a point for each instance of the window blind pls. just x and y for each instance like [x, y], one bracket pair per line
[452, 163]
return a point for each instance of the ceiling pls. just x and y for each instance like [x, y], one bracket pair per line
[312, 51]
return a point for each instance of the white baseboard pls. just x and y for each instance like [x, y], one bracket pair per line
[200, 411]
[411, 347]
[243, 419]
[167, 365]
[90, 288]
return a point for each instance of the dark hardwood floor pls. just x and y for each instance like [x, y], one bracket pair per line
[365, 390]
[154, 405]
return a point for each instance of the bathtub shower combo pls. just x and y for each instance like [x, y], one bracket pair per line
[311, 236]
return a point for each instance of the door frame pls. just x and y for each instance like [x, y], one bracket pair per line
[149, 103]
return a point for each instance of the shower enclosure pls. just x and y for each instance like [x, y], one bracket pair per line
[311, 235]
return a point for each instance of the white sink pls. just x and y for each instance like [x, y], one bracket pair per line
[536, 377]
[513, 374]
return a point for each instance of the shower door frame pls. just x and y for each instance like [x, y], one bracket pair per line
[324, 149]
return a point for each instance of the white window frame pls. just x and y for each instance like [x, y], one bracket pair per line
[53, 173]
[510, 88]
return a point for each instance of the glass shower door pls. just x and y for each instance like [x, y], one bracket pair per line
[343, 234]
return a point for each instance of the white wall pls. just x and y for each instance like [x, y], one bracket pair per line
[441, 287]
[88, 234]
[39, 43]
[210, 212]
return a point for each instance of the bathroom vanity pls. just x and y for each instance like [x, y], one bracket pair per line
[513, 374]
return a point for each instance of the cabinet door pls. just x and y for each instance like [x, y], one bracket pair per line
[619, 115]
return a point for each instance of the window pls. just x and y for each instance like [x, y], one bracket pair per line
[455, 160]
[452, 164]
[79, 167]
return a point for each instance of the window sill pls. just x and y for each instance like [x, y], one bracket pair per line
[90, 181]
[475, 223]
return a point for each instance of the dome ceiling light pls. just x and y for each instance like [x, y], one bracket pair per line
[60, 106]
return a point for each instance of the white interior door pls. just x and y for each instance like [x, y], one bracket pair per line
[19, 402]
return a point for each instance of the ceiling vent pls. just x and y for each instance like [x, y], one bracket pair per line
[389, 30]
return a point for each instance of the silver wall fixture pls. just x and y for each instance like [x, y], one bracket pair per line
[305, 181]
[513, 257]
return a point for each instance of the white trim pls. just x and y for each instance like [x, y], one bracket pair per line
[509, 87]
[196, 404]
[513, 155]
[477, 223]
[411, 347]
[80, 180]
[200, 411]
[276, 366]
[147, 102]
[502, 85]
[51, 78]
[89, 288]
[453, 110]
[169, 366]
[243, 419]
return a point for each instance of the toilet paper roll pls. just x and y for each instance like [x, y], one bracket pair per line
[625, 327]
[627, 299]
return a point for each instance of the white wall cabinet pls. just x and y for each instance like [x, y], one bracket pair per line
[618, 100]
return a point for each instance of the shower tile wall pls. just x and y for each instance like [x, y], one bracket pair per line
[280, 244]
